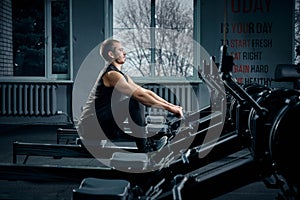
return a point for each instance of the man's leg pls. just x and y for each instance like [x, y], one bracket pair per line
[137, 124]
[109, 125]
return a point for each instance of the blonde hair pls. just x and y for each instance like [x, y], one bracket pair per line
[107, 46]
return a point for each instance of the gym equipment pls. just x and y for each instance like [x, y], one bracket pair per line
[248, 133]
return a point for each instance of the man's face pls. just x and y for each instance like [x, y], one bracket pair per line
[119, 54]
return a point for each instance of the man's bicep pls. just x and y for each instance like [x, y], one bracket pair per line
[121, 84]
[124, 87]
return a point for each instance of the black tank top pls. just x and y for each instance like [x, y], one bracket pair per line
[106, 96]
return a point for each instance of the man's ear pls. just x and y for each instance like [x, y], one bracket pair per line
[111, 54]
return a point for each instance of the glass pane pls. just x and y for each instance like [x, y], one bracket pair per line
[28, 37]
[167, 48]
[297, 32]
[174, 38]
[60, 35]
[131, 25]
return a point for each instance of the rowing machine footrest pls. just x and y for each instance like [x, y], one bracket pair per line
[157, 128]
[129, 161]
[155, 119]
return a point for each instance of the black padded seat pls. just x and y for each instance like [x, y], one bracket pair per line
[104, 189]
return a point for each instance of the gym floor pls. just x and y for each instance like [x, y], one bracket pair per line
[57, 190]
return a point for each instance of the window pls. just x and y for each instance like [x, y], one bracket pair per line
[297, 31]
[157, 36]
[40, 39]
[28, 38]
[60, 34]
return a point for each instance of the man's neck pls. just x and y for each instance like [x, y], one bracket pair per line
[117, 65]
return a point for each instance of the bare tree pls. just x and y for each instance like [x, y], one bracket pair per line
[173, 36]
[297, 21]
[297, 31]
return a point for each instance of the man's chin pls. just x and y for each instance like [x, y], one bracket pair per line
[120, 61]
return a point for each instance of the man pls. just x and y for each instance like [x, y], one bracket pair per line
[115, 96]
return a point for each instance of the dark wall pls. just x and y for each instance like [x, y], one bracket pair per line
[88, 28]
[88, 32]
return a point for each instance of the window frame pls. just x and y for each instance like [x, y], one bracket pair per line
[49, 76]
[196, 37]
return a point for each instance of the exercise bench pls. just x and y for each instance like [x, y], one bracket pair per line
[66, 135]
[68, 150]
[51, 150]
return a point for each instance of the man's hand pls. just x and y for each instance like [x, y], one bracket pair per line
[178, 111]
